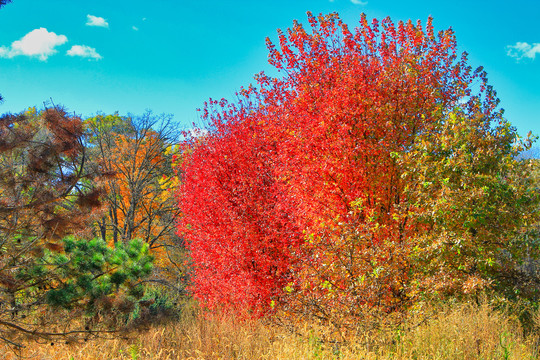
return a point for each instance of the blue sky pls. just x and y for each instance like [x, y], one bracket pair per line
[171, 55]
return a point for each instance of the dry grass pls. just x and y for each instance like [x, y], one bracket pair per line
[458, 332]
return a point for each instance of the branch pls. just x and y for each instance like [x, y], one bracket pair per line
[45, 334]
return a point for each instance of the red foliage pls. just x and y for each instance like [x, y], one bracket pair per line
[291, 158]
[238, 237]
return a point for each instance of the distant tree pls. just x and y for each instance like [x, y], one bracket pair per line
[45, 195]
[138, 201]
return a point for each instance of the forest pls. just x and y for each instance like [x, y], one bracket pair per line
[369, 202]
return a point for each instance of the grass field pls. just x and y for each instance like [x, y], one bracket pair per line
[462, 331]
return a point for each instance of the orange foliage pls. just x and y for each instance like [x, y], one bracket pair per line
[139, 200]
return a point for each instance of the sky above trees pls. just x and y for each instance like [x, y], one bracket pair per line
[171, 56]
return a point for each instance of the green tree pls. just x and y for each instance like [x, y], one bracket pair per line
[474, 197]
[87, 281]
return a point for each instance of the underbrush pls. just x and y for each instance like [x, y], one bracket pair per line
[459, 331]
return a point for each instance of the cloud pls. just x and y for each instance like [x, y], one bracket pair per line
[523, 50]
[135, 28]
[197, 132]
[84, 51]
[38, 43]
[359, 2]
[96, 21]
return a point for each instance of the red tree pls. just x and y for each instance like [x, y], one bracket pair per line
[302, 184]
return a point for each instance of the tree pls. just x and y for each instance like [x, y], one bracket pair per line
[376, 170]
[519, 275]
[136, 153]
[84, 291]
[44, 196]
[42, 178]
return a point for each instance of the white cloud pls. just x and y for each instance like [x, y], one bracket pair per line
[523, 50]
[96, 21]
[197, 132]
[38, 43]
[359, 2]
[84, 51]
[135, 28]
